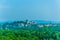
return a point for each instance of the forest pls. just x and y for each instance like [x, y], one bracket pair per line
[31, 32]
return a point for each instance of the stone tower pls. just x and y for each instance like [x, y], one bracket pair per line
[26, 22]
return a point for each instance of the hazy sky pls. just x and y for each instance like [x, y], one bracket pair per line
[31, 9]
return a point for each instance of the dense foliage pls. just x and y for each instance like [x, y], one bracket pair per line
[31, 33]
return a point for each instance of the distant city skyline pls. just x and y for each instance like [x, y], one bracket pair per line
[29, 9]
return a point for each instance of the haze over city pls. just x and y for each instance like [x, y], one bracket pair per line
[31, 9]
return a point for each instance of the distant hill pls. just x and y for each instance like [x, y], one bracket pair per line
[37, 21]
[45, 22]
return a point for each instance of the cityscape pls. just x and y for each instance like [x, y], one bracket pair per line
[26, 23]
[29, 30]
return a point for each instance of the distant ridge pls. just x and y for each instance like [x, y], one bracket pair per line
[45, 22]
[37, 21]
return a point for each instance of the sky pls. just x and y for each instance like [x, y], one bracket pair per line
[29, 9]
